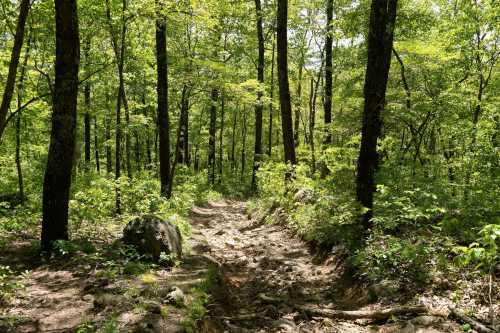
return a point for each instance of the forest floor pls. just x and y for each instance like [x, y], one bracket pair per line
[238, 275]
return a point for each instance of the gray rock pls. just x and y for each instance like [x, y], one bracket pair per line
[304, 195]
[175, 296]
[153, 236]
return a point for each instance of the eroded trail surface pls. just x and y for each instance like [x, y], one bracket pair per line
[266, 276]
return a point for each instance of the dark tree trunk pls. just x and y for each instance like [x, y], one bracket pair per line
[271, 111]
[14, 62]
[380, 39]
[86, 93]
[87, 126]
[96, 147]
[328, 73]
[243, 145]
[212, 133]
[285, 103]
[119, 56]
[233, 142]
[312, 115]
[183, 151]
[259, 107]
[162, 91]
[298, 106]
[137, 151]
[20, 87]
[57, 180]
[221, 139]
[107, 135]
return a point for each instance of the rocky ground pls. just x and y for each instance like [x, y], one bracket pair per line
[260, 279]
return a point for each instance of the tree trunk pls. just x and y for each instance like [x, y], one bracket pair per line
[96, 147]
[328, 73]
[162, 91]
[259, 107]
[86, 93]
[20, 87]
[14, 62]
[221, 139]
[271, 111]
[243, 145]
[57, 180]
[107, 134]
[119, 56]
[233, 142]
[285, 103]
[380, 39]
[212, 133]
[183, 152]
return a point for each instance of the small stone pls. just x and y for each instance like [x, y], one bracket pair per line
[175, 296]
[88, 298]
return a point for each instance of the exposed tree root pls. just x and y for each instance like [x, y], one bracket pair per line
[382, 314]
[476, 325]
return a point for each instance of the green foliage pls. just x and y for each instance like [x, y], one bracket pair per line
[390, 257]
[484, 254]
[10, 283]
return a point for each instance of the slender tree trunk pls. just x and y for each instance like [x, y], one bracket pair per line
[312, 115]
[87, 126]
[285, 103]
[298, 106]
[183, 152]
[96, 147]
[271, 111]
[212, 133]
[20, 87]
[243, 145]
[107, 135]
[57, 182]
[328, 73]
[119, 56]
[221, 139]
[14, 62]
[259, 107]
[162, 91]
[148, 139]
[86, 93]
[380, 39]
[233, 142]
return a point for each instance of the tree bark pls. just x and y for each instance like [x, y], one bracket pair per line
[14, 62]
[328, 73]
[271, 111]
[107, 134]
[284, 87]
[259, 107]
[380, 40]
[86, 93]
[96, 147]
[162, 91]
[221, 139]
[57, 180]
[212, 133]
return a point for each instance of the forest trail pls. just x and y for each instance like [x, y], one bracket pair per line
[259, 278]
[265, 275]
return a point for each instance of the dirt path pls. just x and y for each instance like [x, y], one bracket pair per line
[254, 267]
[260, 263]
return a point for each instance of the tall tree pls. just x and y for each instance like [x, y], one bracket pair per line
[87, 107]
[14, 62]
[259, 106]
[380, 40]
[57, 180]
[284, 86]
[328, 72]
[162, 92]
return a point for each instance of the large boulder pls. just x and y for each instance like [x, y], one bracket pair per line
[151, 235]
